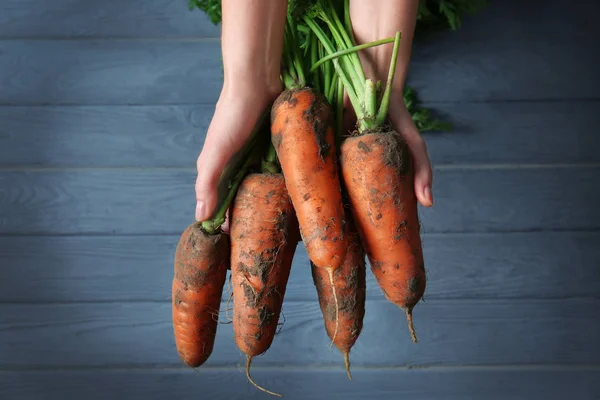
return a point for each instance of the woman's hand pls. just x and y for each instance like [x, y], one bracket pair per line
[252, 44]
[373, 20]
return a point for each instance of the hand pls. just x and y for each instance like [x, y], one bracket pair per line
[236, 114]
[251, 44]
[403, 124]
[374, 20]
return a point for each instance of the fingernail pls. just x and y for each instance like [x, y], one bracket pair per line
[200, 211]
[428, 195]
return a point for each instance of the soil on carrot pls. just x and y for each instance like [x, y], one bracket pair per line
[396, 153]
[320, 116]
[199, 249]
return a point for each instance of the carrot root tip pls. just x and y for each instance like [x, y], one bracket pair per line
[347, 364]
[337, 307]
[248, 364]
[411, 327]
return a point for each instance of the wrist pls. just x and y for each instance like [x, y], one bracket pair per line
[255, 87]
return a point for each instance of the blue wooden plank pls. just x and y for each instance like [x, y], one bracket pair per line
[109, 72]
[103, 136]
[452, 384]
[172, 136]
[108, 18]
[451, 332]
[455, 67]
[138, 201]
[473, 266]
[540, 44]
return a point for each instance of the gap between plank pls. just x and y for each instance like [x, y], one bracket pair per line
[332, 368]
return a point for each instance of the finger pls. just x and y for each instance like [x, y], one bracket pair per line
[422, 164]
[210, 164]
[225, 137]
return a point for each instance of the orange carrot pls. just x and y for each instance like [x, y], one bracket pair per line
[264, 236]
[376, 167]
[201, 262]
[378, 174]
[349, 282]
[303, 136]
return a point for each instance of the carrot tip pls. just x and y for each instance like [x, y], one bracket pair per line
[248, 363]
[347, 364]
[411, 327]
[337, 307]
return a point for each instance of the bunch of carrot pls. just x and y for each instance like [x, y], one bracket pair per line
[345, 196]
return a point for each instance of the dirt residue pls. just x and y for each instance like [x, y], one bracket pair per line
[363, 146]
[401, 229]
[319, 115]
[395, 151]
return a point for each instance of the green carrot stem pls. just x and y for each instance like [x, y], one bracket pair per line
[332, 89]
[350, 50]
[339, 114]
[270, 163]
[315, 49]
[348, 21]
[370, 99]
[340, 71]
[385, 101]
[236, 170]
[347, 35]
[213, 225]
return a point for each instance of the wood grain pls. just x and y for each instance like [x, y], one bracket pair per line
[534, 61]
[161, 201]
[172, 136]
[544, 52]
[451, 332]
[452, 384]
[108, 18]
[109, 72]
[472, 266]
[103, 136]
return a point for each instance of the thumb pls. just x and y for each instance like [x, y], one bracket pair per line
[210, 165]
[423, 172]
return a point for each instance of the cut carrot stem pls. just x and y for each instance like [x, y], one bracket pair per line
[385, 101]
[350, 50]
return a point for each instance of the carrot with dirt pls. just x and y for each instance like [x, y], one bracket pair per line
[303, 136]
[349, 283]
[264, 235]
[376, 169]
[200, 270]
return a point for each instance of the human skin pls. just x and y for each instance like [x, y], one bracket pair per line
[373, 20]
[252, 44]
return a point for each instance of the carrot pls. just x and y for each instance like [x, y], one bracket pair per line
[349, 282]
[304, 140]
[201, 262]
[200, 270]
[303, 136]
[264, 236]
[376, 169]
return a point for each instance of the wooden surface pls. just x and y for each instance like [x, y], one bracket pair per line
[161, 201]
[300, 384]
[103, 110]
[451, 332]
[169, 136]
[496, 266]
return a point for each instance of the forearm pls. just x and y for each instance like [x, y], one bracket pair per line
[373, 20]
[252, 42]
